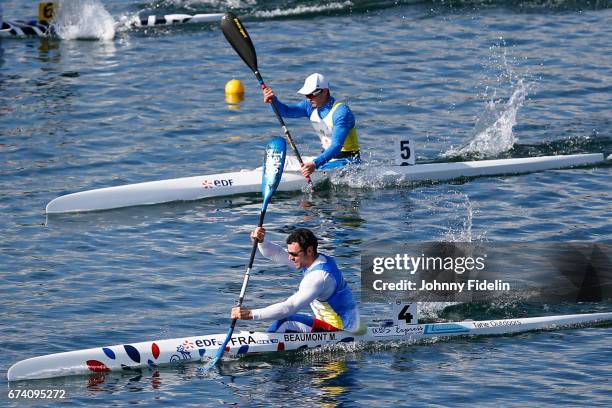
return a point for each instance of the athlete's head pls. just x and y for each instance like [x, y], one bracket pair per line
[302, 247]
[316, 90]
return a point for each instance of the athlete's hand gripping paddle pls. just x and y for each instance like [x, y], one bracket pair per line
[274, 162]
[237, 36]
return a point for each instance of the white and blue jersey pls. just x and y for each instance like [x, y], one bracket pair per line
[322, 287]
[334, 123]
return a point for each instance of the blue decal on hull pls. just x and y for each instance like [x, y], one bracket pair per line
[132, 352]
[109, 353]
[449, 328]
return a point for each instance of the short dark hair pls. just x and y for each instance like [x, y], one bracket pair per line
[305, 238]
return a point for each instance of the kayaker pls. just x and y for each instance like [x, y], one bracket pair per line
[332, 120]
[323, 287]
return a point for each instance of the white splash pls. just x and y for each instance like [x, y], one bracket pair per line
[303, 10]
[463, 232]
[83, 20]
[432, 310]
[197, 5]
[368, 174]
[497, 137]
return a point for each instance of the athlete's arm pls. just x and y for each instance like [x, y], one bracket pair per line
[314, 285]
[298, 110]
[275, 253]
[287, 111]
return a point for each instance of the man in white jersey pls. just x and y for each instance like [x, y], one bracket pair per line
[333, 121]
[322, 287]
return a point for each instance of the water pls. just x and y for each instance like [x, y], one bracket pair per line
[463, 79]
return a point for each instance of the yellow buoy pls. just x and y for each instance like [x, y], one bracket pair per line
[234, 91]
[234, 87]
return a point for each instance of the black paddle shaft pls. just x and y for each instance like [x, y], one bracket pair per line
[248, 271]
[239, 39]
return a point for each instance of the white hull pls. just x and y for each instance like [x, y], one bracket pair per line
[224, 184]
[172, 19]
[180, 189]
[522, 165]
[163, 352]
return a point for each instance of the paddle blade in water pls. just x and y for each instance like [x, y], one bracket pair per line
[237, 36]
[274, 162]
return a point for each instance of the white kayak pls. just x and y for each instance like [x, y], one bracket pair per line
[171, 19]
[157, 353]
[35, 28]
[249, 181]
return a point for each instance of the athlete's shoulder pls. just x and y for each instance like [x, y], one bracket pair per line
[342, 111]
[328, 262]
[321, 263]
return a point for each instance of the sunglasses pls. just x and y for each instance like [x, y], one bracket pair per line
[294, 254]
[316, 93]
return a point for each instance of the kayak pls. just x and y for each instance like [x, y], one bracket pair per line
[180, 350]
[170, 19]
[249, 181]
[35, 28]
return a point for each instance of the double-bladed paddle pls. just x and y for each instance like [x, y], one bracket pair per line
[237, 36]
[274, 162]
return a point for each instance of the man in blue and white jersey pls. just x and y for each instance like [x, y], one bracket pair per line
[333, 121]
[322, 287]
